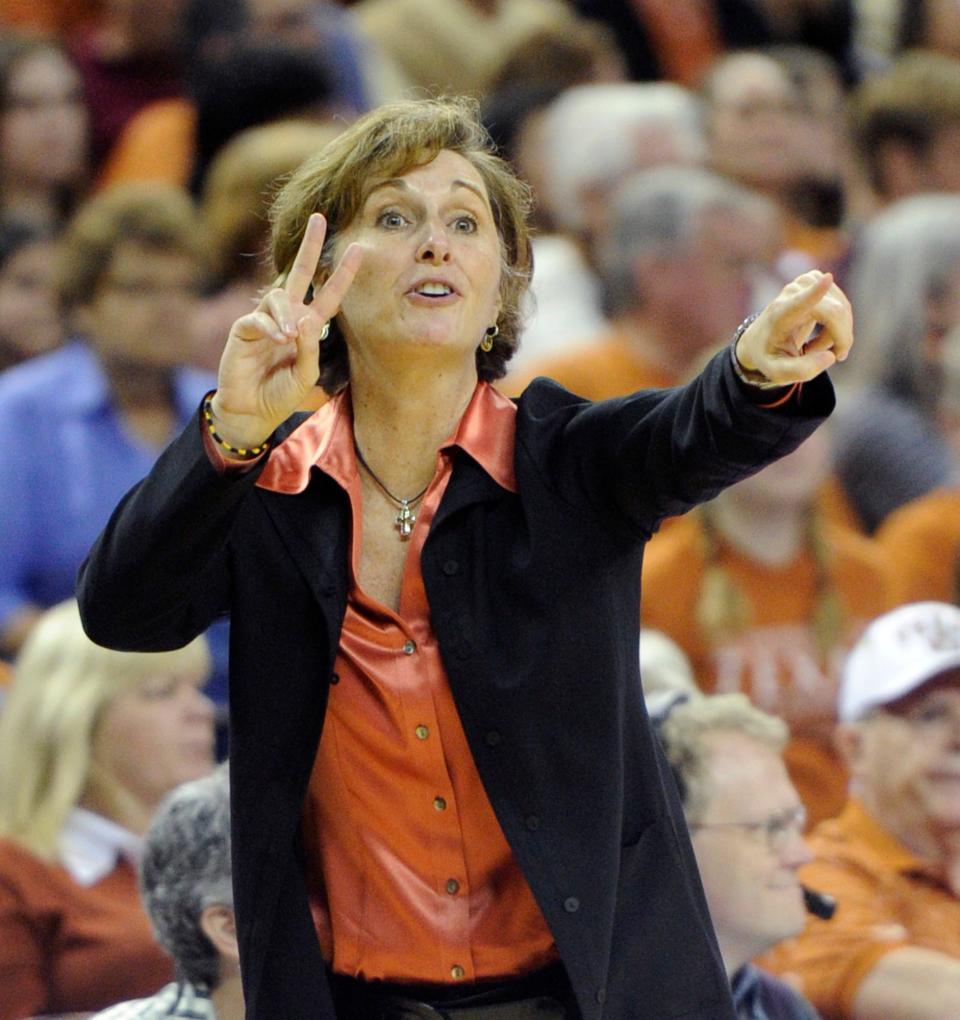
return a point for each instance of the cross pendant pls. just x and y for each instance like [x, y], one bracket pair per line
[405, 519]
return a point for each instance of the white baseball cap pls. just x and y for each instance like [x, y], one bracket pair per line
[899, 652]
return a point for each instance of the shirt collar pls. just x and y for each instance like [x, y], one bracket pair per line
[325, 440]
[90, 846]
[857, 821]
[744, 985]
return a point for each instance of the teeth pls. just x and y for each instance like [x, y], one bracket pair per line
[434, 290]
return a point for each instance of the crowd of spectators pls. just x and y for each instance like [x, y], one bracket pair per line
[687, 158]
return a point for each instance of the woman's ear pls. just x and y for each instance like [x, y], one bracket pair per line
[219, 924]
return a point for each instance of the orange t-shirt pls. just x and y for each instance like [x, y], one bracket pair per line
[51, 17]
[609, 367]
[886, 899]
[66, 947]
[922, 541]
[684, 35]
[412, 879]
[158, 144]
[776, 661]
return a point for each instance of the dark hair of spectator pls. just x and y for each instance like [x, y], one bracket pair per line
[251, 84]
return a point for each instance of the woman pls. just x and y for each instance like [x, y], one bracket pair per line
[446, 583]
[44, 130]
[90, 742]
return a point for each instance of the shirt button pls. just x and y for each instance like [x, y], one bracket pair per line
[439, 803]
[571, 904]
[533, 822]
[453, 886]
[422, 732]
[451, 567]
[601, 995]
[492, 738]
[456, 971]
[409, 648]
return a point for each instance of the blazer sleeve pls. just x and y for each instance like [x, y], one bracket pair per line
[637, 459]
[158, 574]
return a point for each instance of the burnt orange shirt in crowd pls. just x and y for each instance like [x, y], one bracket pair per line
[684, 36]
[887, 898]
[608, 367]
[68, 947]
[776, 660]
[411, 877]
[922, 541]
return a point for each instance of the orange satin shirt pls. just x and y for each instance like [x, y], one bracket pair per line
[411, 877]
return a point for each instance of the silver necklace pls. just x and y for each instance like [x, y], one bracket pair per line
[406, 518]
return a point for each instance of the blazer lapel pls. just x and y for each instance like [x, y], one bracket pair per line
[314, 527]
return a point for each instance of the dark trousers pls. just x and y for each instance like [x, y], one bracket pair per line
[545, 995]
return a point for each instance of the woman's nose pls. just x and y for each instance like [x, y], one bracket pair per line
[434, 246]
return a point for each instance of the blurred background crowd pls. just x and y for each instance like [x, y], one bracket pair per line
[687, 157]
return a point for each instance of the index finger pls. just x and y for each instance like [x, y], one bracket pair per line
[800, 297]
[304, 267]
[815, 297]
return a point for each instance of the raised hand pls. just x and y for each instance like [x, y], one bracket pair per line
[784, 344]
[271, 358]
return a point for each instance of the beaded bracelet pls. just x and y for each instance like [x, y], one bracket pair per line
[235, 451]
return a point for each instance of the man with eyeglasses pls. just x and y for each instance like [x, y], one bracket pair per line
[892, 857]
[746, 823]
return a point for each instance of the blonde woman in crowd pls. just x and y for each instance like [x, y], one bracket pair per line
[765, 596]
[90, 741]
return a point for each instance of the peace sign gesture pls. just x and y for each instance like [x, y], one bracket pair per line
[271, 359]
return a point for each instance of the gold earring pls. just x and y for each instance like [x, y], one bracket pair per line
[486, 344]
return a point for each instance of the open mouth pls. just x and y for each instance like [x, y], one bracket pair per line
[434, 290]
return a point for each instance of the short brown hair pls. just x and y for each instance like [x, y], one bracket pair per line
[910, 103]
[386, 143]
[156, 215]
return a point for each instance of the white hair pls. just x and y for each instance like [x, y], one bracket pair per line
[594, 135]
[906, 255]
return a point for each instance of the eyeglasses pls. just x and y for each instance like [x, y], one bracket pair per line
[776, 829]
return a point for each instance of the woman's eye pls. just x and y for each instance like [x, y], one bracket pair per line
[391, 219]
[465, 224]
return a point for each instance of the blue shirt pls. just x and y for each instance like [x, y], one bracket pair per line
[758, 995]
[66, 461]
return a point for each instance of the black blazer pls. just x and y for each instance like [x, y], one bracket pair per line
[534, 600]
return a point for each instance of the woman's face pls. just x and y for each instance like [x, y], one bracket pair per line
[29, 320]
[152, 738]
[43, 124]
[430, 277]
